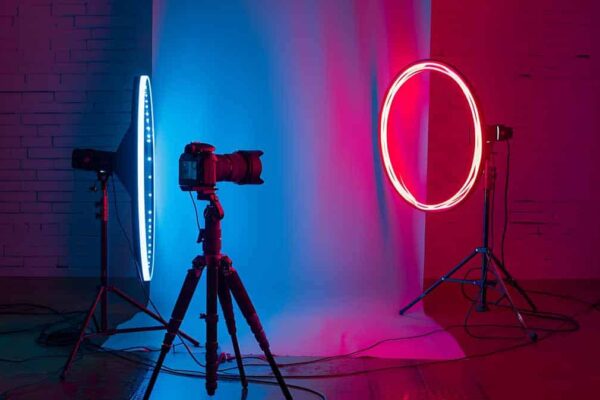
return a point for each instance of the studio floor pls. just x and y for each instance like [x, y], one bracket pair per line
[501, 363]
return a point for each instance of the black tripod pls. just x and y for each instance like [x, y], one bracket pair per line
[105, 288]
[489, 262]
[222, 282]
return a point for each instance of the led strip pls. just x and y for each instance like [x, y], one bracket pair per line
[145, 177]
[396, 180]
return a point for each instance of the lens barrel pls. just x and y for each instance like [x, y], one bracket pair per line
[242, 167]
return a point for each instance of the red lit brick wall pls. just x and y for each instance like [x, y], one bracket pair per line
[66, 71]
[535, 66]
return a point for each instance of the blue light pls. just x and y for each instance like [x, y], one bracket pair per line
[145, 187]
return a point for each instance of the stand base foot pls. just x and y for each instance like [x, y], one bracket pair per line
[532, 336]
[482, 308]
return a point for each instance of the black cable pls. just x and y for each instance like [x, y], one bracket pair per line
[506, 186]
[195, 212]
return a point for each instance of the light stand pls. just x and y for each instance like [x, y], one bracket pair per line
[489, 262]
[105, 288]
[222, 282]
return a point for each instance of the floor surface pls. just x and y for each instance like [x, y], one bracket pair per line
[501, 363]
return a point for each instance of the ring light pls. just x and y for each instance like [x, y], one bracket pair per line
[145, 177]
[397, 180]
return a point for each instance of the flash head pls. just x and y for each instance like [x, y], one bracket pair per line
[93, 160]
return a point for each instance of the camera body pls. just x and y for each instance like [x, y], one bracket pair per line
[200, 168]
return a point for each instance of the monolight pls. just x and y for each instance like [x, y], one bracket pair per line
[133, 164]
[489, 262]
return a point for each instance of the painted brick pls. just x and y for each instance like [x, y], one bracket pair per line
[9, 7]
[12, 154]
[9, 119]
[9, 164]
[9, 141]
[49, 152]
[70, 97]
[42, 82]
[11, 82]
[17, 175]
[62, 9]
[40, 262]
[8, 208]
[11, 261]
[65, 81]
[11, 186]
[17, 196]
[54, 175]
[18, 130]
[37, 164]
[36, 141]
[35, 207]
[37, 97]
[48, 118]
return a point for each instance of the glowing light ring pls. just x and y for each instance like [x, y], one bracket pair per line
[398, 182]
[145, 177]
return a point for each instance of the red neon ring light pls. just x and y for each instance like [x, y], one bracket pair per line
[396, 180]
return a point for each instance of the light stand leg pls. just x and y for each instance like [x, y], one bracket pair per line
[227, 307]
[81, 337]
[482, 302]
[512, 281]
[148, 312]
[181, 306]
[103, 215]
[245, 304]
[532, 335]
[439, 282]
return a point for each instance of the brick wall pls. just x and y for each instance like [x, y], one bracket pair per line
[66, 71]
[535, 66]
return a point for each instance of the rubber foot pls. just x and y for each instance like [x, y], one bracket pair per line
[533, 336]
[482, 308]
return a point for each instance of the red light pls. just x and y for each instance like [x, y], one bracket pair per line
[397, 180]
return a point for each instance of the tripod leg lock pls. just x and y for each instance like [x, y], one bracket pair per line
[209, 318]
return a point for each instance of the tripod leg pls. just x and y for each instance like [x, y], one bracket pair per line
[211, 318]
[181, 306]
[438, 282]
[245, 304]
[145, 310]
[512, 281]
[86, 322]
[532, 335]
[227, 307]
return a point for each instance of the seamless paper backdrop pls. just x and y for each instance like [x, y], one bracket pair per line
[326, 249]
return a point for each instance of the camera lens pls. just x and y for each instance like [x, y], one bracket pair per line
[242, 167]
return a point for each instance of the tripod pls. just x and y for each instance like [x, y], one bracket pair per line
[222, 282]
[489, 263]
[104, 288]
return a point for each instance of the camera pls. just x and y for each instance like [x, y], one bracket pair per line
[200, 168]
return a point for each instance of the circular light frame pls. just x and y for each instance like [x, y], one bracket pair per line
[397, 181]
[145, 177]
